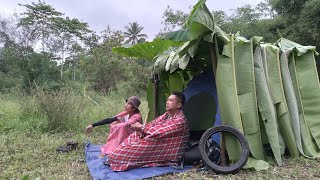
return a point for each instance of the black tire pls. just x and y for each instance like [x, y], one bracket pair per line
[233, 168]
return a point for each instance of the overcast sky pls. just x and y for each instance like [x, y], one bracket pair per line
[118, 13]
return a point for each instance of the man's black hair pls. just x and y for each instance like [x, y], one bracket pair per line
[180, 96]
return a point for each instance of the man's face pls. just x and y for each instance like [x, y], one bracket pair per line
[173, 103]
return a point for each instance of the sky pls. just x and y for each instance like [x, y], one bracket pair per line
[118, 13]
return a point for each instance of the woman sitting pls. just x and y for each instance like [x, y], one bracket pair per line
[120, 125]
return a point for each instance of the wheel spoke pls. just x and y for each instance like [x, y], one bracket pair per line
[209, 142]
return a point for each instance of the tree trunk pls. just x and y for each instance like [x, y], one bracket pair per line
[62, 61]
[74, 69]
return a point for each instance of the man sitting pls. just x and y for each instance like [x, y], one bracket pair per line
[160, 142]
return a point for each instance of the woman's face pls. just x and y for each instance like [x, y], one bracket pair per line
[129, 107]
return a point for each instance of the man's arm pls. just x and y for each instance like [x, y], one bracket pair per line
[167, 128]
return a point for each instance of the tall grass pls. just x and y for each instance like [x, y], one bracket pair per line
[62, 109]
[56, 111]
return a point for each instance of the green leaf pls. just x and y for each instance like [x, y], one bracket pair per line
[168, 63]
[184, 48]
[287, 45]
[25, 177]
[221, 34]
[256, 40]
[179, 35]
[308, 142]
[183, 62]
[244, 69]
[147, 50]
[175, 82]
[160, 63]
[228, 97]
[193, 49]
[209, 38]
[258, 165]
[200, 3]
[265, 106]
[175, 63]
[163, 92]
[291, 101]
[200, 21]
[272, 65]
[150, 98]
[309, 90]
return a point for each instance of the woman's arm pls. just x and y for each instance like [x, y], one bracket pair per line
[105, 121]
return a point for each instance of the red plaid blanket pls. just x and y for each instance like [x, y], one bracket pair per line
[163, 142]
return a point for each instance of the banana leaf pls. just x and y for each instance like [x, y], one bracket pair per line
[163, 93]
[183, 54]
[179, 35]
[227, 96]
[147, 50]
[200, 21]
[307, 143]
[175, 82]
[306, 85]
[275, 84]
[184, 61]
[291, 100]
[243, 53]
[150, 98]
[255, 164]
[287, 45]
[309, 89]
[265, 106]
[160, 63]
[172, 57]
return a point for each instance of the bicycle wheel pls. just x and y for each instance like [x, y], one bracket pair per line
[210, 150]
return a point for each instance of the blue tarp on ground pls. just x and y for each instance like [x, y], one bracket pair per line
[102, 172]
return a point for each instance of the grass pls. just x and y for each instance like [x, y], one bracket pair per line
[34, 154]
[58, 112]
[28, 150]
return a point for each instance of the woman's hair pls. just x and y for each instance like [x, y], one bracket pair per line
[136, 110]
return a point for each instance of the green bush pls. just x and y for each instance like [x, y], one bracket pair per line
[128, 88]
[61, 108]
[31, 116]
[9, 113]
[53, 111]
[7, 82]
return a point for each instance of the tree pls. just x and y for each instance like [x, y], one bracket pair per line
[300, 20]
[67, 34]
[220, 17]
[133, 35]
[173, 18]
[58, 34]
[106, 70]
[248, 20]
[309, 23]
[40, 17]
